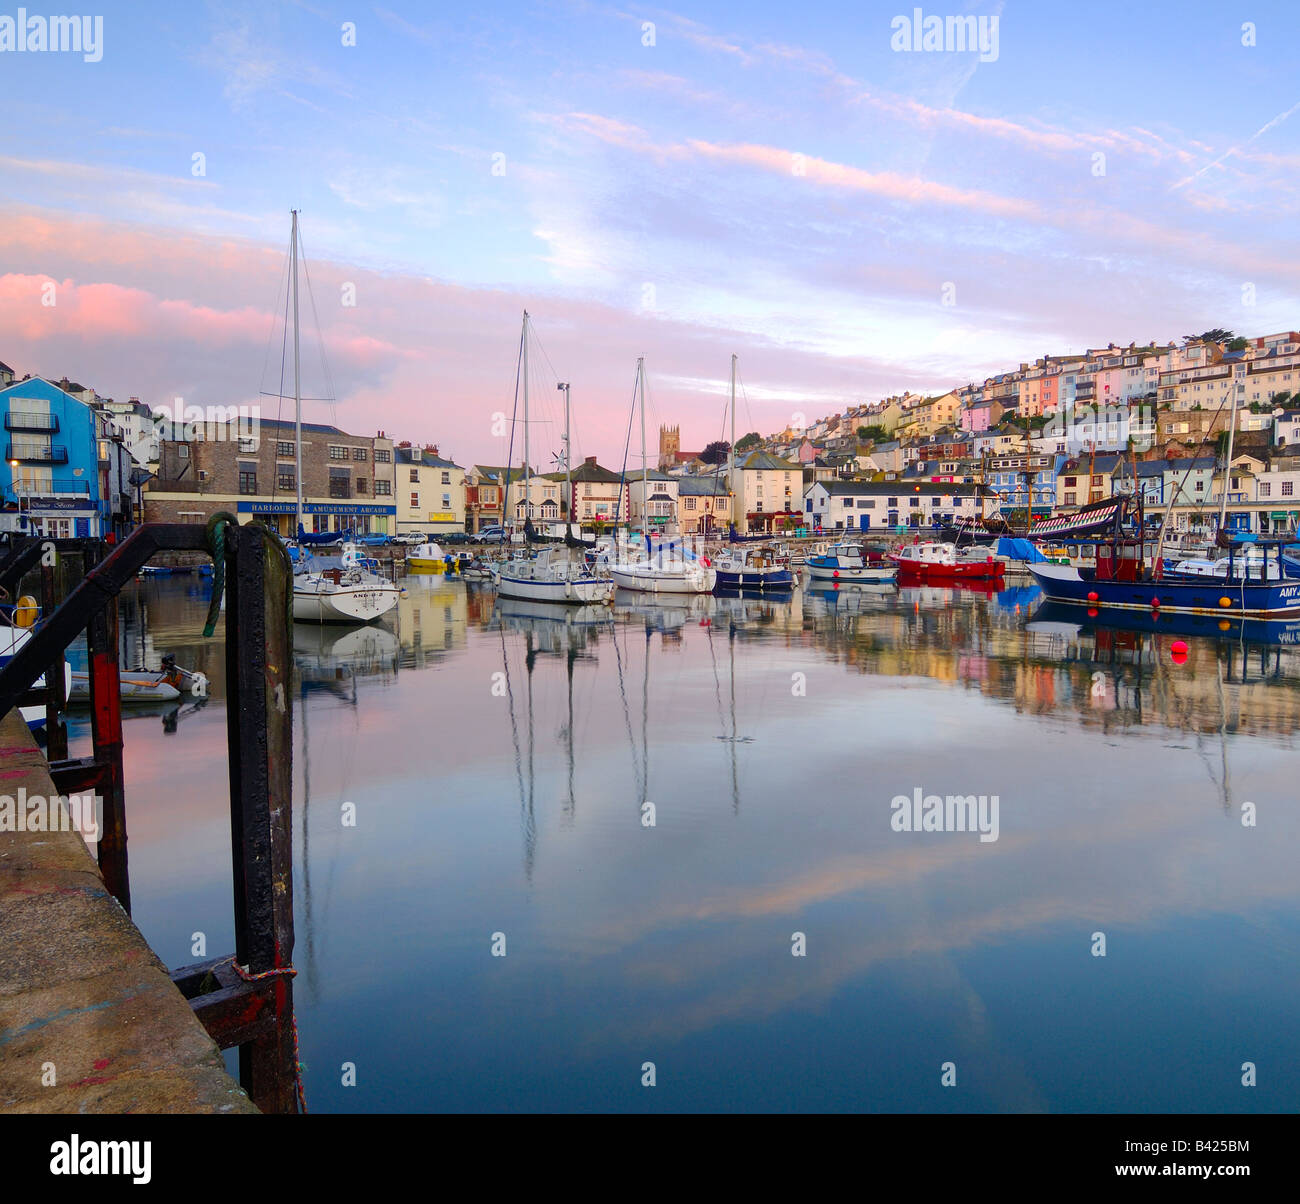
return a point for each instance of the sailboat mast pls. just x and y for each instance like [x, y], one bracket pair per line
[568, 467]
[528, 485]
[297, 379]
[731, 453]
[1227, 464]
[645, 463]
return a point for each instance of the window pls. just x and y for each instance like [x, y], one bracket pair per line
[340, 482]
[183, 451]
[415, 476]
[1288, 488]
[847, 503]
[285, 481]
[383, 455]
[690, 503]
[415, 501]
[446, 478]
[248, 478]
[914, 502]
[1265, 489]
[446, 501]
[360, 453]
[338, 453]
[383, 488]
[284, 449]
[363, 485]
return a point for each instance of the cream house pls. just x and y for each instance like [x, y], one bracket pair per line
[429, 492]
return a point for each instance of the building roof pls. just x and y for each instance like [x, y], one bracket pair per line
[592, 473]
[710, 486]
[406, 455]
[761, 460]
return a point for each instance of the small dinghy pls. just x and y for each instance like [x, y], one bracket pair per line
[143, 685]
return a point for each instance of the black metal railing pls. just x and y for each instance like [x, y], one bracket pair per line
[24, 420]
[52, 453]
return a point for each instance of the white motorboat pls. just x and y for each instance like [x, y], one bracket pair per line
[665, 577]
[846, 562]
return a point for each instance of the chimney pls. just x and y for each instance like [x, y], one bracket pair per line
[590, 460]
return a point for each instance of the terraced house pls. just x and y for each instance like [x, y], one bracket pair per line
[430, 492]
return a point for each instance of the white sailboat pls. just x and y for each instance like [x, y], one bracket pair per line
[347, 591]
[550, 574]
[659, 574]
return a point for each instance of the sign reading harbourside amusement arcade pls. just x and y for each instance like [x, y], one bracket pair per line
[288, 507]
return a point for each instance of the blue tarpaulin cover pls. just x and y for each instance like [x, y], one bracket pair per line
[1020, 549]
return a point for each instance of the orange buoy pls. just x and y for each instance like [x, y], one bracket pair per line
[1225, 602]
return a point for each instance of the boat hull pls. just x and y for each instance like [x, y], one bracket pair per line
[418, 564]
[1206, 596]
[582, 592]
[917, 570]
[876, 574]
[777, 580]
[665, 581]
[148, 686]
[363, 604]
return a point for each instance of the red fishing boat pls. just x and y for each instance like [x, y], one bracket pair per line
[942, 562]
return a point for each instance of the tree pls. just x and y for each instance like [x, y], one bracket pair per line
[716, 452]
[1238, 344]
[871, 434]
[1217, 335]
[745, 442]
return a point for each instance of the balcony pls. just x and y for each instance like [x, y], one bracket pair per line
[26, 489]
[23, 420]
[53, 453]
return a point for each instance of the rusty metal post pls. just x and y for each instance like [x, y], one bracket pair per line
[259, 663]
[106, 739]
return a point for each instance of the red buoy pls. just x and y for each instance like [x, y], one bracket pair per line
[1092, 612]
[1178, 651]
[1092, 595]
[1155, 603]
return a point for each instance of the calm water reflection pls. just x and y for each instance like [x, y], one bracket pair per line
[499, 755]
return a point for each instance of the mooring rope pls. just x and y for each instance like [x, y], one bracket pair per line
[216, 530]
[281, 972]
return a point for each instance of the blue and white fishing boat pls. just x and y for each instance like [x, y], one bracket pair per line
[1125, 578]
[756, 568]
[846, 562]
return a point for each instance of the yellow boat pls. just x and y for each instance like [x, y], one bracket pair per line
[426, 558]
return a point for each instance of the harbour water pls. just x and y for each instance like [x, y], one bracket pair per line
[481, 774]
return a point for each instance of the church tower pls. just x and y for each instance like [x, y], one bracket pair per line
[670, 443]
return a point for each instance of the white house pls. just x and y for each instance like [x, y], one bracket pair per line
[884, 505]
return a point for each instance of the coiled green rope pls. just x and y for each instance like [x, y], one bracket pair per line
[217, 546]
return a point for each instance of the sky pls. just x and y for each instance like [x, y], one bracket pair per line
[774, 181]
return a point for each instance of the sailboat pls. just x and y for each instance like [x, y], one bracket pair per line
[549, 574]
[344, 589]
[657, 574]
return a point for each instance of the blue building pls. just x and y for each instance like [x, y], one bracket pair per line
[51, 474]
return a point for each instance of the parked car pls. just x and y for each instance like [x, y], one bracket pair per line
[454, 537]
[410, 539]
[492, 535]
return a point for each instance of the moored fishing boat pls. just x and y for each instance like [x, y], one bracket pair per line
[1125, 578]
[941, 562]
[758, 568]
